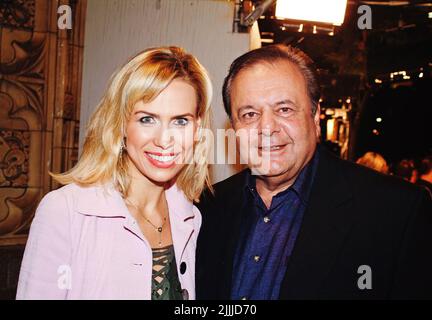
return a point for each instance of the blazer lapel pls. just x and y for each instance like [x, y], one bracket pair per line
[326, 223]
[232, 225]
[182, 217]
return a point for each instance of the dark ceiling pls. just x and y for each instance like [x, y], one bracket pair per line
[358, 64]
[400, 38]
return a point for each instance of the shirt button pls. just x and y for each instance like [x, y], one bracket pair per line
[266, 219]
[183, 267]
[257, 258]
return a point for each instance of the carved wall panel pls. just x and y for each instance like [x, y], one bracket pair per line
[40, 83]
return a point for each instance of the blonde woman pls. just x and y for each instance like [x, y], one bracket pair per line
[374, 161]
[124, 225]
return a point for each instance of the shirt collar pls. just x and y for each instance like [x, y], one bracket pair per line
[106, 201]
[302, 185]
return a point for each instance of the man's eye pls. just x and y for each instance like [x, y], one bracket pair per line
[181, 122]
[249, 115]
[284, 110]
[147, 120]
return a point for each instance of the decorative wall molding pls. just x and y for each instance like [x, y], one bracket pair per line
[17, 14]
[40, 86]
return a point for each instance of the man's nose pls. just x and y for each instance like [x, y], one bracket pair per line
[268, 124]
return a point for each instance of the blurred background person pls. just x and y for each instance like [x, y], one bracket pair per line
[374, 161]
[425, 173]
[406, 170]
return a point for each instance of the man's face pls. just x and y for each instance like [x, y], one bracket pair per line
[272, 116]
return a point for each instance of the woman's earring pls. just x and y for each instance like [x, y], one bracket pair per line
[122, 147]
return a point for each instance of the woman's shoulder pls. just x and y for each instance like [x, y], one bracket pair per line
[71, 190]
[69, 195]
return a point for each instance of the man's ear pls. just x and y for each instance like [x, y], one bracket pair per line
[317, 121]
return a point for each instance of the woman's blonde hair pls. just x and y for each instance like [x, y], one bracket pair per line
[374, 161]
[142, 78]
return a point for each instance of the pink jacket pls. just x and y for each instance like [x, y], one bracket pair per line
[84, 244]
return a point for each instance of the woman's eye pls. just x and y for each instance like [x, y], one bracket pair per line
[181, 122]
[147, 120]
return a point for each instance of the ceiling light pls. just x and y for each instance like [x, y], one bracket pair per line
[330, 11]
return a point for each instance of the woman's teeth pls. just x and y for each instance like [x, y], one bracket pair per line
[162, 158]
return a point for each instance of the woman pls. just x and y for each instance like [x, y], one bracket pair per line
[124, 226]
[374, 161]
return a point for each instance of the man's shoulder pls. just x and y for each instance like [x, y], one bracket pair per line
[235, 182]
[226, 190]
[363, 180]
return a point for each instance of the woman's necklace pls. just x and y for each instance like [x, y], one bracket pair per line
[158, 229]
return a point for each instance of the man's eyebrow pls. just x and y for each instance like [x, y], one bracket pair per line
[285, 101]
[282, 102]
[245, 107]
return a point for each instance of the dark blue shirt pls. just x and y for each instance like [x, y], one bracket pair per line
[268, 236]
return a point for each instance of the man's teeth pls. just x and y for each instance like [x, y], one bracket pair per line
[271, 148]
[162, 158]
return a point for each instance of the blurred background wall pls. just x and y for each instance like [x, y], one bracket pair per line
[118, 29]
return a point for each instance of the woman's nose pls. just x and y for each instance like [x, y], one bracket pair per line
[164, 137]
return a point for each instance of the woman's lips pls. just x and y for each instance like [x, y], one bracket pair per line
[161, 160]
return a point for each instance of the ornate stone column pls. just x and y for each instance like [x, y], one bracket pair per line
[40, 84]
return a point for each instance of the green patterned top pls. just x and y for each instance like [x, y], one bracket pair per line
[165, 281]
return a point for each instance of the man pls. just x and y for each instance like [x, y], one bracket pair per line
[406, 170]
[309, 226]
[425, 174]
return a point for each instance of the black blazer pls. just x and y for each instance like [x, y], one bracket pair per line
[355, 217]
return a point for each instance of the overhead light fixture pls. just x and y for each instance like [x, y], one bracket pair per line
[325, 11]
[387, 3]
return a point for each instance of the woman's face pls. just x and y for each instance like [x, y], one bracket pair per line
[160, 134]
